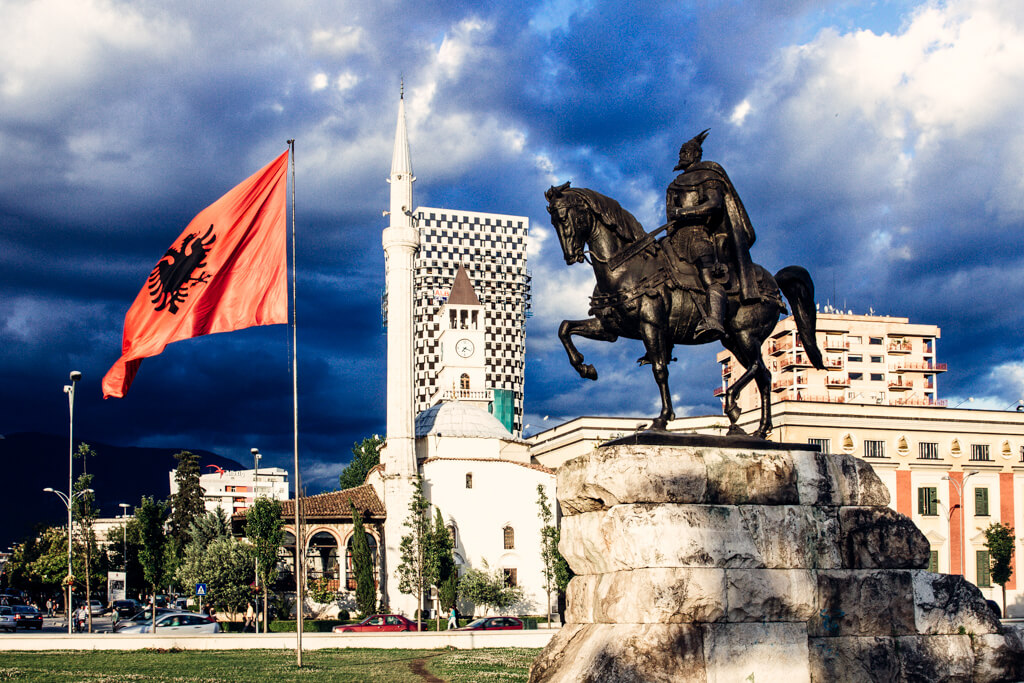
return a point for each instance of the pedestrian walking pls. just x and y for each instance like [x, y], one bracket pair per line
[453, 617]
[249, 626]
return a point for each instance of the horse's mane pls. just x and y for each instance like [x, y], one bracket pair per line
[611, 213]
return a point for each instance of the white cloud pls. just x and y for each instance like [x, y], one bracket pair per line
[50, 46]
[341, 42]
[739, 113]
[346, 81]
[318, 82]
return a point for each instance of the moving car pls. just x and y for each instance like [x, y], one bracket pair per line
[27, 617]
[493, 624]
[378, 623]
[179, 623]
[143, 617]
[7, 621]
[124, 609]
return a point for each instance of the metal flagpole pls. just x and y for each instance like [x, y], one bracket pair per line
[300, 569]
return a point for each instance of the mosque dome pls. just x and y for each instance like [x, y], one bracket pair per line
[458, 418]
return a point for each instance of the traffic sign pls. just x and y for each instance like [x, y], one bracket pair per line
[200, 589]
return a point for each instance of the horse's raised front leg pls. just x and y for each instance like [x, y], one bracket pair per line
[591, 328]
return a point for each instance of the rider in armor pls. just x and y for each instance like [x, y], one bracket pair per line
[707, 220]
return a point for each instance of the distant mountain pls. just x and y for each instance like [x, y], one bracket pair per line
[32, 462]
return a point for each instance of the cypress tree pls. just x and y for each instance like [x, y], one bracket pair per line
[362, 565]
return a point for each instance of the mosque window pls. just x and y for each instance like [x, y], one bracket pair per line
[469, 480]
[510, 576]
[464, 382]
[510, 538]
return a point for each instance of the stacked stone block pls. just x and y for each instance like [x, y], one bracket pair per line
[698, 563]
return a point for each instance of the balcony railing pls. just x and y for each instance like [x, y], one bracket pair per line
[911, 401]
[834, 363]
[781, 385]
[796, 360]
[917, 366]
[837, 380]
[784, 344]
[899, 347]
[836, 344]
[800, 396]
[900, 386]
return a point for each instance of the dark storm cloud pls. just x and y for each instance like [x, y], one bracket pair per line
[119, 122]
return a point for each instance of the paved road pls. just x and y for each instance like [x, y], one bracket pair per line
[100, 624]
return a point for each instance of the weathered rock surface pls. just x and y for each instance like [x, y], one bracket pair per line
[706, 564]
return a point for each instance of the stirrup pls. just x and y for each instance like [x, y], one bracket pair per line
[706, 332]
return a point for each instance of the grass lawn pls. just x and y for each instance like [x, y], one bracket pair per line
[394, 666]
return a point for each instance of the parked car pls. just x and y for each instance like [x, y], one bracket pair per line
[96, 608]
[27, 617]
[378, 623]
[176, 623]
[7, 621]
[493, 624]
[123, 609]
[143, 617]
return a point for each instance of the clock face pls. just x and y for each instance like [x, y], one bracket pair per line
[464, 348]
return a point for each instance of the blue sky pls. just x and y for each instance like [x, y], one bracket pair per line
[876, 143]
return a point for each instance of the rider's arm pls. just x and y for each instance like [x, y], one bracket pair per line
[710, 207]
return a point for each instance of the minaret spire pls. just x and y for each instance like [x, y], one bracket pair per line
[401, 240]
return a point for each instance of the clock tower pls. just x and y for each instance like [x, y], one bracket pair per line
[461, 324]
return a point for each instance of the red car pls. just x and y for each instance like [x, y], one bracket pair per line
[493, 624]
[378, 623]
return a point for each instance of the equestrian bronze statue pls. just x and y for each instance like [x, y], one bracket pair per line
[694, 284]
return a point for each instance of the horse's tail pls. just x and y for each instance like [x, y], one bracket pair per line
[795, 282]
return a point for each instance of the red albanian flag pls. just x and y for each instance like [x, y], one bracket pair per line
[228, 270]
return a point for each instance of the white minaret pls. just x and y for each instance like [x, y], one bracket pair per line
[401, 241]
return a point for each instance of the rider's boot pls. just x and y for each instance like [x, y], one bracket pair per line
[712, 327]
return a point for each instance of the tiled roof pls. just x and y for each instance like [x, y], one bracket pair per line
[531, 466]
[337, 504]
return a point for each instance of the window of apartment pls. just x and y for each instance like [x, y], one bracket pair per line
[927, 501]
[979, 451]
[855, 339]
[981, 502]
[824, 445]
[877, 359]
[874, 449]
[856, 376]
[933, 561]
[855, 359]
[469, 480]
[927, 450]
[875, 341]
[984, 567]
[509, 537]
[877, 377]
[510, 576]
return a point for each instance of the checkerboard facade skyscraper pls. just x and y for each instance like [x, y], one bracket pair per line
[492, 249]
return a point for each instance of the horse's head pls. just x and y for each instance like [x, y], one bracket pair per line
[568, 212]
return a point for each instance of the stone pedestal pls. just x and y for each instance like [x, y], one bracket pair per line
[711, 563]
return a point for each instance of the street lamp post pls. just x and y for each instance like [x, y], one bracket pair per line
[69, 501]
[69, 389]
[960, 492]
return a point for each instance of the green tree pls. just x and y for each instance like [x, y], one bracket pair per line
[209, 527]
[225, 565]
[489, 590]
[263, 528]
[414, 570]
[362, 565]
[442, 563]
[151, 515]
[999, 541]
[186, 505]
[548, 545]
[86, 554]
[365, 456]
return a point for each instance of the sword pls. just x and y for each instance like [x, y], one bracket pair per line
[635, 248]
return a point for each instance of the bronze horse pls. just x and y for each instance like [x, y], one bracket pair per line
[658, 302]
